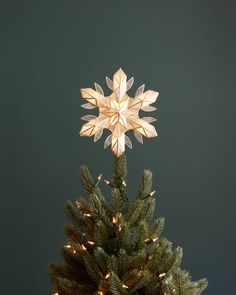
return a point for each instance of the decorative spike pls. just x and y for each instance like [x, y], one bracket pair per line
[98, 88]
[149, 119]
[129, 83]
[128, 142]
[98, 135]
[107, 141]
[109, 83]
[140, 90]
[88, 117]
[138, 136]
[88, 106]
[148, 108]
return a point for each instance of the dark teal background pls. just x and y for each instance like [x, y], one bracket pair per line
[183, 49]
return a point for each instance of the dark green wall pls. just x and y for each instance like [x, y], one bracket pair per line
[183, 49]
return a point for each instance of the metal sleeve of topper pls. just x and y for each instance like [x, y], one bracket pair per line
[118, 112]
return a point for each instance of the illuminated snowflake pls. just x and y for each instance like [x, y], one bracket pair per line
[118, 112]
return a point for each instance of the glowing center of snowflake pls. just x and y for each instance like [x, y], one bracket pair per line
[119, 112]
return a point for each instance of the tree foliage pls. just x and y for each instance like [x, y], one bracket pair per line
[114, 247]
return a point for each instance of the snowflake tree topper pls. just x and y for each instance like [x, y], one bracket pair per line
[118, 112]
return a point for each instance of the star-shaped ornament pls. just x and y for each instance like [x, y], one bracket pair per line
[118, 112]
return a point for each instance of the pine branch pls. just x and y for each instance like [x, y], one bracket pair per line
[146, 184]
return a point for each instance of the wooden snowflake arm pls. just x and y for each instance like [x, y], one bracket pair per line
[118, 140]
[94, 126]
[144, 128]
[119, 84]
[144, 99]
[94, 97]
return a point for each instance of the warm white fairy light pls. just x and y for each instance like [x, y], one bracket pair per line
[155, 239]
[161, 275]
[146, 240]
[83, 247]
[124, 183]
[67, 246]
[106, 181]
[100, 293]
[74, 251]
[90, 242]
[125, 286]
[152, 193]
[114, 220]
[107, 276]
[98, 180]
[119, 228]
[87, 214]
[56, 293]
[78, 204]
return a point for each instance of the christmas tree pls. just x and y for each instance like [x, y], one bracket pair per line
[114, 246]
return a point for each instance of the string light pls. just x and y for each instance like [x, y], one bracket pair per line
[152, 193]
[87, 214]
[119, 228]
[74, 251]
[100, 293]
[98, 180]
[90, 242]
[124, 183]
[114, 220]
[83, 247]
[99, 177]
[56, 293]
[67, 246]
[106, 181]
[78, 204]
[107, 276]
[155, 239]
[161, 275]
[146, 240]
[125, 286]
